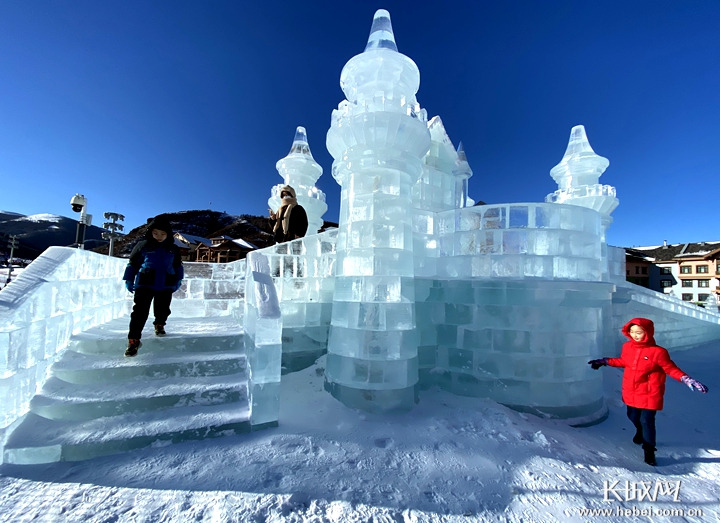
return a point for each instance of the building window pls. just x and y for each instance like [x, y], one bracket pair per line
[701, 269]
[687, 283]
[666, 283]
[637, 269]
[703, 283]
[687, 297]
[665, 270]
[703, 297]
[686, 270]
[628, 272]
[643, 270]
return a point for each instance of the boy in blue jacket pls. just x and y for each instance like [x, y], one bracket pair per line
[153, 273]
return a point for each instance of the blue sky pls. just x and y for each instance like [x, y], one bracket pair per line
[148, 107]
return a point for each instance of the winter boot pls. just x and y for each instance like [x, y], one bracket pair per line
[132, 348]
[637, 438]
[650, 455]
[160, 330]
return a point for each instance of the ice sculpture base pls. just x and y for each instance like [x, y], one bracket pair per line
[395, 401]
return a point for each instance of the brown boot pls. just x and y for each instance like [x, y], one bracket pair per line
[160, 330]
[132, 348]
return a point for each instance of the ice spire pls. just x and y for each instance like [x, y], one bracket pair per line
[300, 170]
[463, 165]
[381, 32]
[300, 143]
[580, 165]
[463, 172]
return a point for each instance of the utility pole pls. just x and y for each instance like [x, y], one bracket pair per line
[12, 243]
[112, 227]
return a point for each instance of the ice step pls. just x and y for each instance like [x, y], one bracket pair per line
[40, 440]
[62, 400]
[75, 367]
[184, 335]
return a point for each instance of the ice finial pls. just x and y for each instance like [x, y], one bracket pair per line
[578, 144]
[381, 33]
[580, 165]
[461, 153]
[300, 143]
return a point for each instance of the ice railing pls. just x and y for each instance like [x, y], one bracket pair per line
[526, 240]
[678, 324]
[63, 292]
[303, 272]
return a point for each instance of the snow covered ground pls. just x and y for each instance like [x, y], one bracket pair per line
[451, 459]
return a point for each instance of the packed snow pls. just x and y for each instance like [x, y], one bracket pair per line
[450, 459]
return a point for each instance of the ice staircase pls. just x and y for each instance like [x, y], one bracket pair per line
[191, 384]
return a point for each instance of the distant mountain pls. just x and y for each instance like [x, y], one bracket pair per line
[207, 224]
[37, 232]
[40, 231]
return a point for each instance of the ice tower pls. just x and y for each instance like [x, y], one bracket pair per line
[378, 138]
[578, 175]
[300, 170]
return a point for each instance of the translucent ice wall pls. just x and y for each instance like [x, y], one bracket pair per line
[211, 289]
[303, 271]
[516, 307]
[439, 188]
[63, 292]
[300, 171]
[263, 345]
[378, 138]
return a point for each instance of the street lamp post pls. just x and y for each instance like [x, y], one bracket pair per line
[112, 227]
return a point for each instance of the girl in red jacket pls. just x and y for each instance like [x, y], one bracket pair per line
[643, 386]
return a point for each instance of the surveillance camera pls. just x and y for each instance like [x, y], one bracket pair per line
[77, 202]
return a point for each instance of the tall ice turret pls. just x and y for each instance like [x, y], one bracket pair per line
[300, 170]
[463, 172]
[578, 175]
[378, 138]
[437, 188]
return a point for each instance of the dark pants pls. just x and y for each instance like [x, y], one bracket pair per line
[644, 421]
[141, 309]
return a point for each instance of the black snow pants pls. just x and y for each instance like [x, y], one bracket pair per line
[141, 309]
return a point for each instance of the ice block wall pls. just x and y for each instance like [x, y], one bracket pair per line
[378, 138]
[520, 240]
[516, 308]
[263, 341]
[211, 289]
[63, 292]
[303, 271]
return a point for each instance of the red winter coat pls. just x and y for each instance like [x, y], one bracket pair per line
[645, 365]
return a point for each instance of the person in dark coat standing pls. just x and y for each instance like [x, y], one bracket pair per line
[643, 387]
[153, 273]
[290, 222]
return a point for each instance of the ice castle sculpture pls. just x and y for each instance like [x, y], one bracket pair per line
[415, 289]
[300, 170]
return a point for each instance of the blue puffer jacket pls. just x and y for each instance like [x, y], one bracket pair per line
[155, 265]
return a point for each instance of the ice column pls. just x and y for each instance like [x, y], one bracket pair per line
[300, 170]
[463, 172]
[378, 138]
